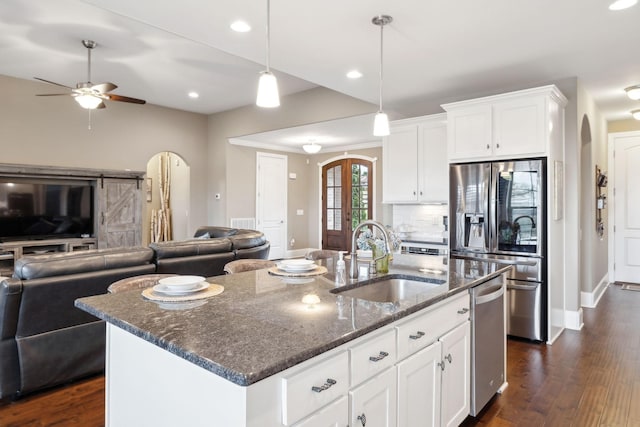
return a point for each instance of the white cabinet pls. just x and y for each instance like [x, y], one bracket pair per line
[456, 375]
[419, 384]
[374, 402]
[434, 383]
[511, 125]
[414, 161]
[334, 415]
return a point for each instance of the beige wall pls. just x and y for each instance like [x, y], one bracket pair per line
[232, 168]
[593, 140]
[628, 125]
[53, 131]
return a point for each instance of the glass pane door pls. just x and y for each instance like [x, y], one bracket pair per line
[518, 206]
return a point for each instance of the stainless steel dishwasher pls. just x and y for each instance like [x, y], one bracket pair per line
[488, 339]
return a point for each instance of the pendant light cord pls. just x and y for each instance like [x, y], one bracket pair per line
[268, 33]
[381, 52]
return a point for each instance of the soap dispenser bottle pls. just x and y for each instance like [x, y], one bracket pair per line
[340, 270]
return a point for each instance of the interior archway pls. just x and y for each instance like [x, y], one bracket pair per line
[179, 179]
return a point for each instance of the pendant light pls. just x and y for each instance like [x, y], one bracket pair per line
[268, 96]
[633, 92]
[381, 121]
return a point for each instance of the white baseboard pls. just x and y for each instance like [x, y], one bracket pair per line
[573, 319]
[591, 299]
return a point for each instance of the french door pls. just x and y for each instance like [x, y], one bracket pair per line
[347, 199]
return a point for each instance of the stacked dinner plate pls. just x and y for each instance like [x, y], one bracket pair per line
[296, 265]
[180, 285]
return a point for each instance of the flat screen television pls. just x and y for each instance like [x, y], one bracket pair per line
[33, 208]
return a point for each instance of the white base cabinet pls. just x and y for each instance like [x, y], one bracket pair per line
[413, 372]
[414, 161]
[456, 375]
[374, 402]
[419, 384]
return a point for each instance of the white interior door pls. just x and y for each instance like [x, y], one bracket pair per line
[626, 208]
[271, 201]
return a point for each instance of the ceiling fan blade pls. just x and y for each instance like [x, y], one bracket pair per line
[52, 94]
[104, 87]
[121, 98]
[51, 83]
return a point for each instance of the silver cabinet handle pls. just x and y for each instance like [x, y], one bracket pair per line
[363, 419]
[379, 357]
[441, 365]
[463, 311]
[417, 336]
[324, 386]
[448, 357]
[498, 145]
[488, 146]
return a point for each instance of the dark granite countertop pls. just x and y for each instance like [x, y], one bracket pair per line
[259, 326]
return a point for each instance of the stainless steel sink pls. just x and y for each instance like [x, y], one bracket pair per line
[390, 290]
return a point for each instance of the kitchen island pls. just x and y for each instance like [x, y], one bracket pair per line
[236, 359]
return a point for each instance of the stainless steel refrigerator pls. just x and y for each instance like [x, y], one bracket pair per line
[498, 211]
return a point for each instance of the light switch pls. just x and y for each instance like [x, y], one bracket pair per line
[293, 175]
[300, 212]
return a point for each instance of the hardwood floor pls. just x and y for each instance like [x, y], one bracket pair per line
[586, 378]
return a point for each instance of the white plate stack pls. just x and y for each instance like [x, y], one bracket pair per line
[296, 265]
[180, 285]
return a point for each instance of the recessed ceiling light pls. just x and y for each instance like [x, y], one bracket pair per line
[194, 95]
[354, 74]
[240, 27]
[622, 4]
[636, 114]
[633, 92]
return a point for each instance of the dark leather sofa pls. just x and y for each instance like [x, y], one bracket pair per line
[46, 341]
[207, 253]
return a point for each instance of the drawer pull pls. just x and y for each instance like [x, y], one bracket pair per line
[463, 311]
[417, 336]
[324, 386]
[379, 357]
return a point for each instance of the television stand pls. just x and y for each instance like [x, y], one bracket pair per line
[10, 252]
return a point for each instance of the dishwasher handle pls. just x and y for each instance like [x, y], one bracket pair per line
[532, 287]
[492, 294]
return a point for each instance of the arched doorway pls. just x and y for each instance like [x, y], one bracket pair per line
[347, 199]
[171, 168]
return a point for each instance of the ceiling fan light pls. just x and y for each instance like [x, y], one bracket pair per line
[312, 148]
[88, 102]
[636, 114]
[633, 92]
[381, 124]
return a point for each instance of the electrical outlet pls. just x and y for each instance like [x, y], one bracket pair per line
[292, 242]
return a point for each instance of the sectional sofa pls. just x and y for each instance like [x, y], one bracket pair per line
[45, 341]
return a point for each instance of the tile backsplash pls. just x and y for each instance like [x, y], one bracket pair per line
[424, 220]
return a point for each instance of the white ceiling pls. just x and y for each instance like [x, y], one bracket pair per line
[435, 51]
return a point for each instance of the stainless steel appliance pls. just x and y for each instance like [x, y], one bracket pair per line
[498, 210]
[487, 342]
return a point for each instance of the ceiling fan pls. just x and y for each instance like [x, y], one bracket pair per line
[87, 94]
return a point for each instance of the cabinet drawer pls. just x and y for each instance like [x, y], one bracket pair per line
[373, 356]
[314, 387]
[424, 329]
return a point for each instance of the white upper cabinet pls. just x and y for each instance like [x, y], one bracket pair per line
[507, 126]
[414, 161]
